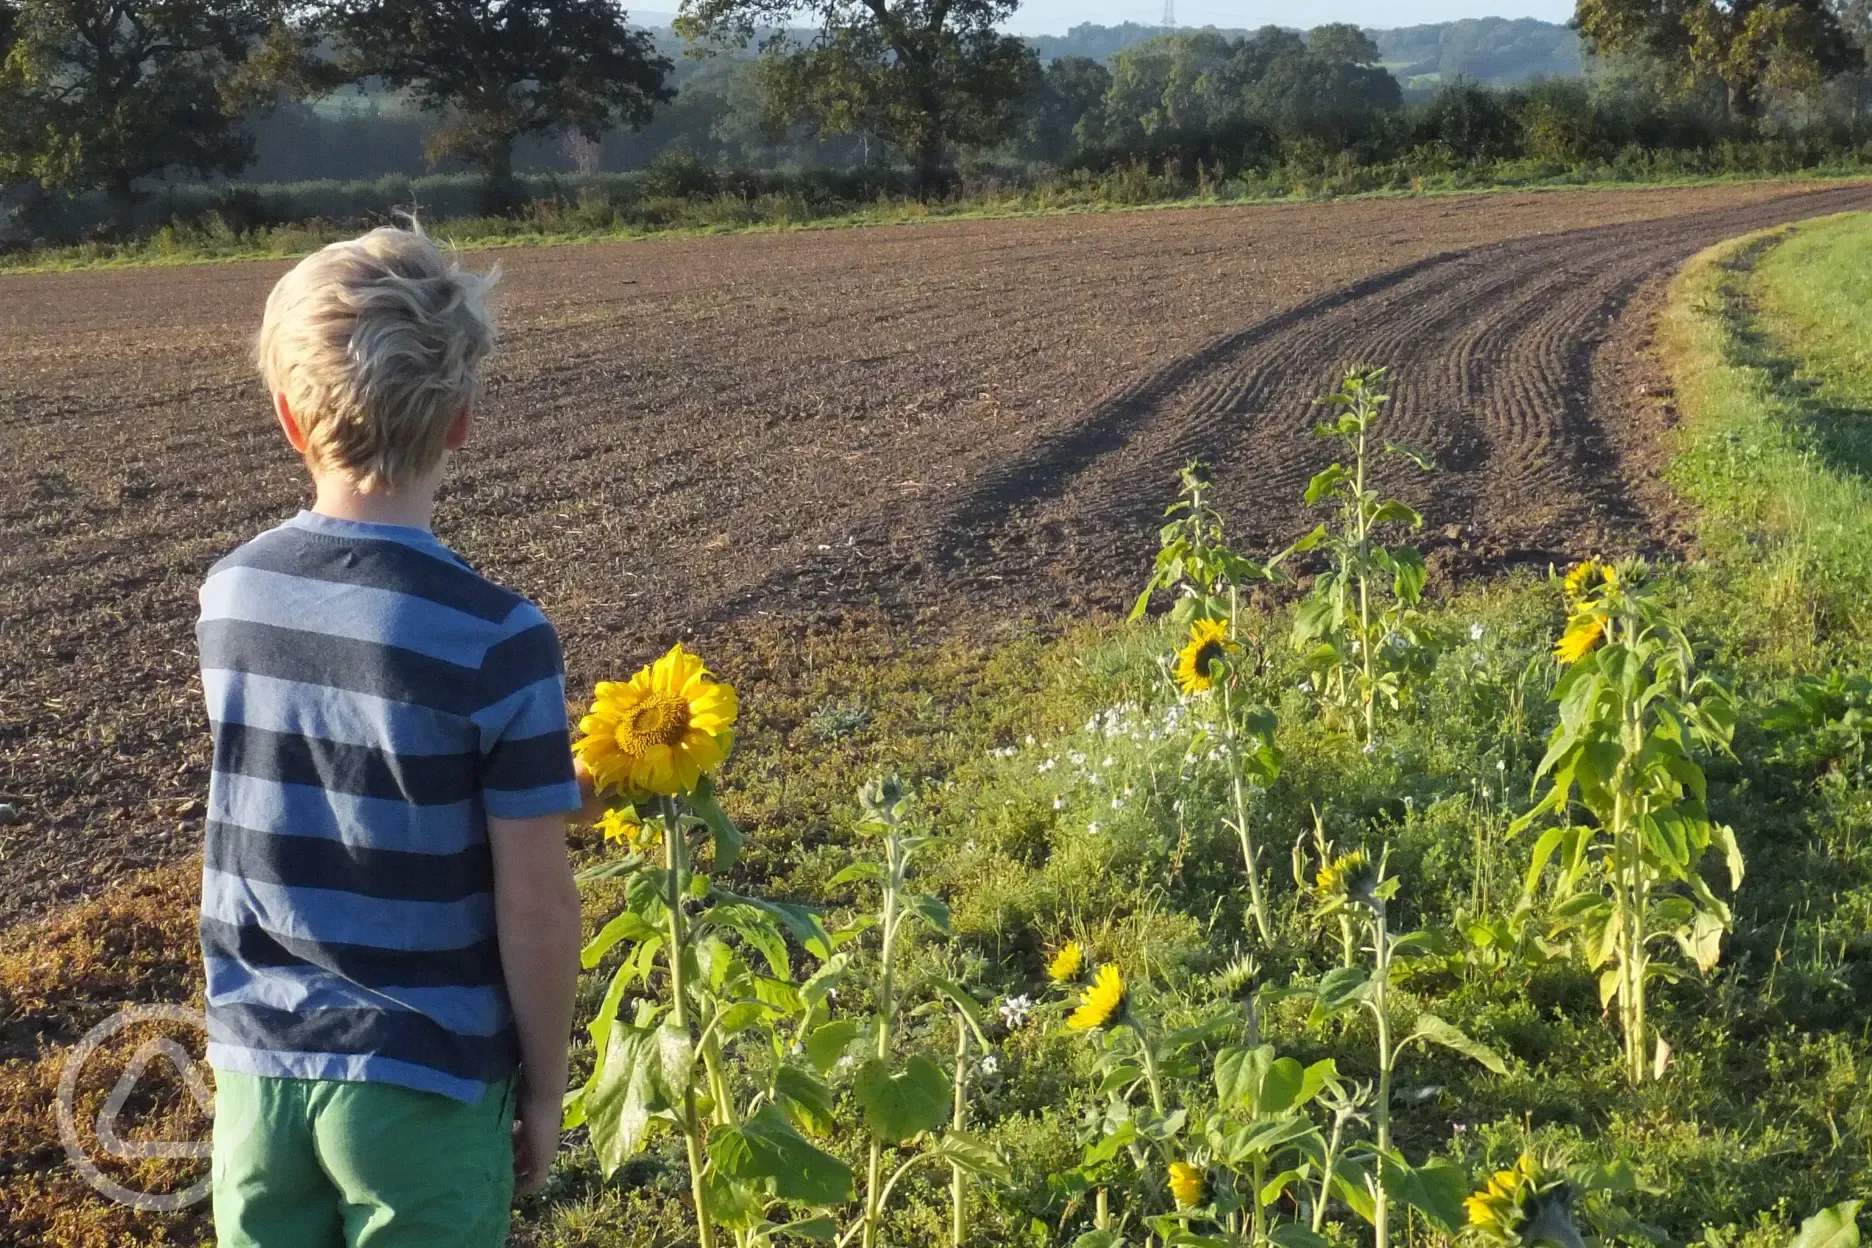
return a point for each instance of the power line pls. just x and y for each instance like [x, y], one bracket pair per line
[1169, 17]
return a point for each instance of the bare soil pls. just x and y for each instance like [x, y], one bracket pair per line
[951, 424]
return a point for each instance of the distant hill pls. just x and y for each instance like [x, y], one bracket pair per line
[1496, 50]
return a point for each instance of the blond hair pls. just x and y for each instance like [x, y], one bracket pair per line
[376, 343]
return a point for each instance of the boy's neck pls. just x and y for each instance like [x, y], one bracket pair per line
[412, 507]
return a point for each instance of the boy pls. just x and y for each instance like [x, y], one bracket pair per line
[389, 926]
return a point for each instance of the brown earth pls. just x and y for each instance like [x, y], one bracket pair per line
[948, 422]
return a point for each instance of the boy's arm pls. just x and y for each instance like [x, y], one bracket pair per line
[536, 908]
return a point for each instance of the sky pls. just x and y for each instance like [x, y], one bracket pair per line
[1052, 17]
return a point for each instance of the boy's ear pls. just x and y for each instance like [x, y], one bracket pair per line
[288, 425]
[457, 435]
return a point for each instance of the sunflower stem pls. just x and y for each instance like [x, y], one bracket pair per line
[676, 863]
[1381, 1109]
[1256, 902]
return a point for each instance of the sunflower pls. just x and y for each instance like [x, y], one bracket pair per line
[1524, 1206]
[1349, 877]
[1208, 645]
[1103, 1003]
[622, 823]
[1066, 963]
[660, 732]
[1579, 578]
[1187, 1184]
[1582, 634]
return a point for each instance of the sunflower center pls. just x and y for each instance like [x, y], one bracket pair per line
[1210, 652]
[660, 719]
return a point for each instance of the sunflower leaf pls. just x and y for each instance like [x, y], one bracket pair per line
[728, 838]
[1834, 1227]
[903, 1103]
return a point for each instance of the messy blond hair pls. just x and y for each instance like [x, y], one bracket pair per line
[376, 343]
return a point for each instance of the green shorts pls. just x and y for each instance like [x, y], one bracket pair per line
[320, 1163]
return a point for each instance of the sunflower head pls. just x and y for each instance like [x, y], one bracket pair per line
[1103, 1004]
[1586, 576]
[1583, 632]
[1524, 1206]
[1208, 645]
[622, 823]
[1066, 963]
[661, 731]
[1351, 877]
[1188, 1184]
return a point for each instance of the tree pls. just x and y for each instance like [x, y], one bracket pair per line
[1063, 110]
[1749, 45]
[923, 75]
[497, 70]
[95, 94]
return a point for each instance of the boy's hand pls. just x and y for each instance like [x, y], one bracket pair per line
[595, 806]
[535, 1140]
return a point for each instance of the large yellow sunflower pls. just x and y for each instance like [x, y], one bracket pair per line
[1187, 1184]
[1103, 1003]
[661, 731]
[1208, 644]
[1582, 634]
[1066, 963]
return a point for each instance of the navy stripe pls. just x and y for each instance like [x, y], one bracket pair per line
[320, 862]
[382, 671]
[399, 1035]
[521, 763]
[473, 966]
[526, 658]
[338, 767]
[379, 564]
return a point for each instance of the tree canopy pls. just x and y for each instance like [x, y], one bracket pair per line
[94, 94]
[922, 75]
[1749, 45]
[498, 70]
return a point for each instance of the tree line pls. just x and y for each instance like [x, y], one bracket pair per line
[96, 95]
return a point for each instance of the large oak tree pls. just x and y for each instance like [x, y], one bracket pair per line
[95, 94]
[498, 70]
[923, 75]
[1749, 45]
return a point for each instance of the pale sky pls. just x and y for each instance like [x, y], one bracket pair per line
[1052, 17]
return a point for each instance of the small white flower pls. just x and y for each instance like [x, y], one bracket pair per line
[1092, 829]
[1014, 1010]
[1109, 761]
[1059, 803]
[990, 1064]
[1029, 740]
[969, 845]
[846, 1061]
[1501, 764]
[1117, 802]
[1475, 631]
[1371, 747]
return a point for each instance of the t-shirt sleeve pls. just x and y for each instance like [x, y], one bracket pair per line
[526, 745]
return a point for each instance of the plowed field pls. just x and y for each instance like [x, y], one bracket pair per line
[948, 421]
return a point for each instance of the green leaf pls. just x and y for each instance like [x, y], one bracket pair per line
[1142, 604]
[864, 869]
[1293, 1235]
[1099, 1239]
[1435, 1189]
[756, 927]
[1109, 1145]
[1280, 1087]
[975, 1155]
[623, 1095]
[1835, 1227]
[728, 838]
[900, 1104]
[765, 1149]
[808, 1100]
[1409, 580]
[967, 1006]
[826, 1044]
[1702, 940]
[1725, 838]
[1323, 482]
[1340, 989]
[1238, 1074]
[822, 1228]
[1316, 1079]
[803, 921]
[628, 925]
[1434, 1030]
[932, 910]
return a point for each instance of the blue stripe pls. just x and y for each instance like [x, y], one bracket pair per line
[526, 712]
[345, 1068]
[332, 916]
[360, 612]
[348, 559]
[317, 862]
[359, 770]
[394, 1034]
[473, 966]
[342, 715]
[379, 823]
[470, 1011]
[315, 658]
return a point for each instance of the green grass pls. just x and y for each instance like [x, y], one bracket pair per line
[210, 239]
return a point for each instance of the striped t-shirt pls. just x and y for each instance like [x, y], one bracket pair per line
[373, 700]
